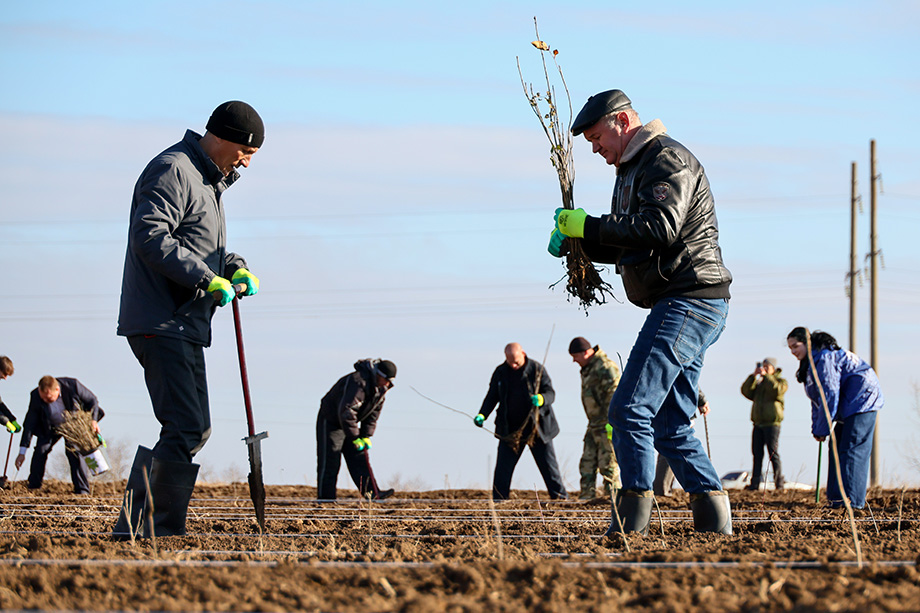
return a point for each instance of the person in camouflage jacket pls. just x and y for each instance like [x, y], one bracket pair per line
[599, 378]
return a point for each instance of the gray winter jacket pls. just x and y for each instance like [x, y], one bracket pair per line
[662, 232]
[176, 245]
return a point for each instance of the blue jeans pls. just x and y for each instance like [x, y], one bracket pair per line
[854, 445]
[656, 398]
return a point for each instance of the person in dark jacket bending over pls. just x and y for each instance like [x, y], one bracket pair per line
[524, 393]
[47, 406]
[662, 234]
[177, 272]
[346, 422]
[7, 419]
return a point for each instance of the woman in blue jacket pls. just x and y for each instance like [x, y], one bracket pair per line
[853, 396]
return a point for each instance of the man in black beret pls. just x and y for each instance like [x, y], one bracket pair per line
[346, 422]
[662, 234]
[177, 272]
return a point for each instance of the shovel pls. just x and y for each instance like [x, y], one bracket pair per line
[253, 441]
[3, 479]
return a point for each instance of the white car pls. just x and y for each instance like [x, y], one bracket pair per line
[740, 479]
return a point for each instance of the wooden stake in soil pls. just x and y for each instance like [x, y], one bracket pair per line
[658, 511]
[498, 529]
[833, 448]
[706, 426]
[616, 514]
[153, 536]
[818, 480]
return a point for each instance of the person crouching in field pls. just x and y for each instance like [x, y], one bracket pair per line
[346, 422]
[47, 406]
[7, 419]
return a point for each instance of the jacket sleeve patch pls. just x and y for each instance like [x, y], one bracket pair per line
[660, 191]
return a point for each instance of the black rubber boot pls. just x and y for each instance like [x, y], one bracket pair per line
[171, 485]
[135, 496]
[634, 509]
[711, 512]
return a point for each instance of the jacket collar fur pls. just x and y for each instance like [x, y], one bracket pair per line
[644, 136]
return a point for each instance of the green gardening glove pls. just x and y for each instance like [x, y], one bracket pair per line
[250, 280]
[13, 426]
[222, 290]
[359, 444]
[555, 243]
[367, 442]
[479, 419]
[609, 430]
[571, 223]
[537, 400]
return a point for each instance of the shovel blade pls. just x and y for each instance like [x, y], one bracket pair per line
[256, 486]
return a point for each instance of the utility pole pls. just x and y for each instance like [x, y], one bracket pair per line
[873, 302]
[854, 202]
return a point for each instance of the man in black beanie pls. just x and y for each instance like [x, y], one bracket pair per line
[177, 272]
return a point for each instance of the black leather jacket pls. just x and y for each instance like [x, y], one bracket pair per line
[662, 231]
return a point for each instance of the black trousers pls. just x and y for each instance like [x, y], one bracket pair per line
[176, 380]
[79, 473]
[543, 454]
[766, 436]
[331, 447]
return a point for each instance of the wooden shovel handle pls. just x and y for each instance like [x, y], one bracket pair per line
[238, 289]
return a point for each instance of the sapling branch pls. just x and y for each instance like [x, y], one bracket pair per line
[583, 281]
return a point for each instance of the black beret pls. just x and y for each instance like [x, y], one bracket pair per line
[598, 105]
[238, 123]
[386, 369]
[579, 344]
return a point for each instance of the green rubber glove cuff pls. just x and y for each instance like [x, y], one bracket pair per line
[248, 279]
[555, 243]
[359, 444]
[609, 430]
[367, 442]
[224, 291]
[479, 420]
[537, 400]
[571, 223]
[13, 426]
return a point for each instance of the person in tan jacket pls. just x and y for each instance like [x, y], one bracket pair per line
[766, 387]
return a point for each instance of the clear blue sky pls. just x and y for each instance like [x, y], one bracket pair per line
[401, 203]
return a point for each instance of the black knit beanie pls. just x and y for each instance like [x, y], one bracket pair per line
[579, 344]
[386, 369]
[238, 123]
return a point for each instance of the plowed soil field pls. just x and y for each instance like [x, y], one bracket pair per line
[455, 551]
